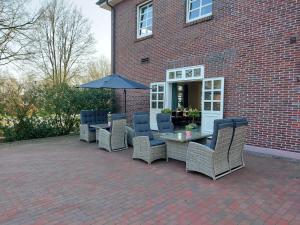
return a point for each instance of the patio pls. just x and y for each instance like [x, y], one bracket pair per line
[65, 181]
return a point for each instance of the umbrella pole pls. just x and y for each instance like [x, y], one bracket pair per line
[125, 93]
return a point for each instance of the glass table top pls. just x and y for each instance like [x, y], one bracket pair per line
[180, 136]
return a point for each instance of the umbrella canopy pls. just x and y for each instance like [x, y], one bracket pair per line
[114, 81]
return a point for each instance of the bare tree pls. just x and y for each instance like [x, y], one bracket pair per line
[63, 42]
[15, 24]
[96, 69]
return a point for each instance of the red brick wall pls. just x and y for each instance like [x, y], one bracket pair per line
[246, 41]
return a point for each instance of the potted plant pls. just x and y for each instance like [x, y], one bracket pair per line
[188, 130]
[166, 111]
[193, 113]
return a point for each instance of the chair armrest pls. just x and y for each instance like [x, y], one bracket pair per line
[142, 141]
[104, 134]
[196, 149]
[130, 135]
[83, 126]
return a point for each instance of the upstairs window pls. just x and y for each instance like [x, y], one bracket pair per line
[198, 9]
[144, 19]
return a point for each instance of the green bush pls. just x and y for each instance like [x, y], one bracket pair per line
[45, 111]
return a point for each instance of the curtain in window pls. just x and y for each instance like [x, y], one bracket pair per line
[174, 96]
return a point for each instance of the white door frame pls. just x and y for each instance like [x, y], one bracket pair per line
[213, 103]
[157, 104]
[196, 74]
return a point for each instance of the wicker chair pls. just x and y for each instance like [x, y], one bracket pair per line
[236, 150]
[116, 139]
[91, 117]
[164, 123]
[145, 146]
[130, 131]
[212, 160]
[87, 133]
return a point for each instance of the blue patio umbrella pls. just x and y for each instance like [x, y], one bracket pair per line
[115, 81]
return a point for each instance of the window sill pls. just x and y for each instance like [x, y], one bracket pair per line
[143, 38]
[201, 20]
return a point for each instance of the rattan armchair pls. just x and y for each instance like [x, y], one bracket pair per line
[145, 146]
[116, 139]
[212, 160]
[87, 133]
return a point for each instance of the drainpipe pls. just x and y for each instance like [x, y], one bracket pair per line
[113, 17]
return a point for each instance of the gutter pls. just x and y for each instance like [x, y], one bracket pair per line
[113, 19]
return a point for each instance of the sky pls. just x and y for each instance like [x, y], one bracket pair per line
[100, 26]
[100, 21]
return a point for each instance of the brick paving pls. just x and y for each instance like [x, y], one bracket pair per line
[64, 181]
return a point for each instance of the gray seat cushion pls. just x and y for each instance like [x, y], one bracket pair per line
[101, 116]
[118, 116]
[141, 124]
[219, 124]
[87, 117]
[164, 123]
[156, 142]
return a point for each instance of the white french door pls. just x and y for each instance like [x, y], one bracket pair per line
[212, 102]
[157, 97]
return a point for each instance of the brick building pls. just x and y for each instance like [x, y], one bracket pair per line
[225, 57]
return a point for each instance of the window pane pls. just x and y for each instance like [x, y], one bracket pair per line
[161, 88]
[160, 96]
[217, 84]
[207, 85]
[154, 96]
[143, 24]
[149, 23]
[178, 74]
[188, 73]
[207, 95]
[217, 95]
[206, 10]
[216, 106]
[197, 72]
[205, 2]
[171, 75]
[194, 14]
[160, 105]
[149, 30]
[195, 4]
[153, 105]
[154, 88]
[207, 106]
[145, 20]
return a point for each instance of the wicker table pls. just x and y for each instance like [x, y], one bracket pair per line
[98, 127]
[177, 143]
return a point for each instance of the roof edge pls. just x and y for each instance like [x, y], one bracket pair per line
[103, 3]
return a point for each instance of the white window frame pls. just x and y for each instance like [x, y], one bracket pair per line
[188, 2]
[183, 74]
[138, 21]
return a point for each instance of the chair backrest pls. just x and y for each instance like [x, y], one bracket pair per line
[217, 126]
[101, 116]
[239, 132]
[118, 116]
[141, 124]
[164, 123]
[87, 117]
[141, 113]
[225, 131]
[118, 131]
